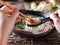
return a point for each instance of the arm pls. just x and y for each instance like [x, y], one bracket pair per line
[7, 24]
[4, 40]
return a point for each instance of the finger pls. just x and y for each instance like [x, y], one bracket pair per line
[10, 6]
[15, 14]
[53, 16]
[6, 10]
[10, 11]
[59, 13]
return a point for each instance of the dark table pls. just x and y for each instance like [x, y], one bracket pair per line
[53, 38]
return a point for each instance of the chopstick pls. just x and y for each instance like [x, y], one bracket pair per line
[27, 18]
[21, 14]
[8, 5]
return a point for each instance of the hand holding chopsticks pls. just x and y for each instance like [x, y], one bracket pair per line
[13, 8]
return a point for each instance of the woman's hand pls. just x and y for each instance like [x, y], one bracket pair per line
[7, 22]
[56, 19]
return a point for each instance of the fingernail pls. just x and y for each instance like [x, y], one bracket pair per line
[11, 11]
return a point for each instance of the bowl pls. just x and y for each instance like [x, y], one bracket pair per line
[29, 34]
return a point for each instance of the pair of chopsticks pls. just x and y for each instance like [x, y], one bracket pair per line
[21, 14]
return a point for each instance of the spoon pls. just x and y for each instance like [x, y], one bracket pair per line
[40, 22]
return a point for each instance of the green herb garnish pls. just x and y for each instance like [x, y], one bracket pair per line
[21, 24]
